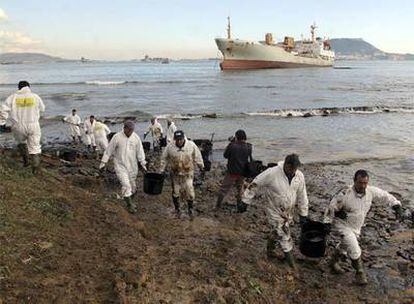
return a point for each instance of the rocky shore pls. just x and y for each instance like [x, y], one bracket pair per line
[67, 238]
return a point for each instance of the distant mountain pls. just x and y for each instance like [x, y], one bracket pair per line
[349, 46]
[16, 58]
[357, 48]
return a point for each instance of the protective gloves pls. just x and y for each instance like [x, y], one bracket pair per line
[202, 171]
[144, 167]
[399, 214]
[327, 227]
[341, 214]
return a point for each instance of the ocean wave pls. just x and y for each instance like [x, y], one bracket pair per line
[118, 119]
[261, 86]
[102, 82]
[332, 111]
[189, 116]
[353, 160]
[66, 96]
[106, 82]
[393, 87]
[141, 116]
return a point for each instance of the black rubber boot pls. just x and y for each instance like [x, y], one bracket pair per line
[360, 276]
[241, 206]
[24, 154]
[290, 259]
[132, 208]
[219, 202]
[190, 210]
[177, 207]
[334, 263]
[271, 246]
[35, 163]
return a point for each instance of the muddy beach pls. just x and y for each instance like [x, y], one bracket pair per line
[67, 238]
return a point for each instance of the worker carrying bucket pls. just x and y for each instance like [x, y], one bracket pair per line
[283, 189]
[181, 156]
[346, 213]
[127, 151]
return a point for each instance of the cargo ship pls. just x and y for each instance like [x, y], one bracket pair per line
[242, 54]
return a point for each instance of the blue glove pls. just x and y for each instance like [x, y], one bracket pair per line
[303, 220]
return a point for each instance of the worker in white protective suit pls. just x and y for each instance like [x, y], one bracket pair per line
[171, 128]
[101, 131]
[155, 129]
[88, 127]
[346, 213]
[281, 188]
[23, 110]
[127, 150]
[181, 156]
[74, 122]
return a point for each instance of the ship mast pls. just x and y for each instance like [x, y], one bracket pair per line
[228, 28]
[313, 27]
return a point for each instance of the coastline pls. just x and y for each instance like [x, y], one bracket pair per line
[67, 237]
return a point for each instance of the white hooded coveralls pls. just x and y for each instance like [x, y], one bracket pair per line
[127, 153]
[356, 207]
[100, 131]
[280, 198]
[170, 132]
[89, 135]
[181, 161]
[156, 131]
[74, 121]
[23, 110]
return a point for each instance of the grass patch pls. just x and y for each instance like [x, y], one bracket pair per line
[52, 208]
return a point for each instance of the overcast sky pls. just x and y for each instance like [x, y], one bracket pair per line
[127, 29]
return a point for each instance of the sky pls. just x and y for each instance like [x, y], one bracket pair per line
[129, 29]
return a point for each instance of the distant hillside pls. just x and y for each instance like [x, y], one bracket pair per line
[349, 46]
[16, 58]
[357, 48]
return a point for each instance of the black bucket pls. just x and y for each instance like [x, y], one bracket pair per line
[205, 154]
[5, 129]
[163, 142]
[110, 135]
[153, 183]
[313, 239]
[205, 145]
[207, 165]
[254, 168]
[68, 155]
[271, 165]
[199, 142]
[146, 145]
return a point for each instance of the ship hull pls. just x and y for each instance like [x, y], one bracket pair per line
[245, 55]
[239, 64]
